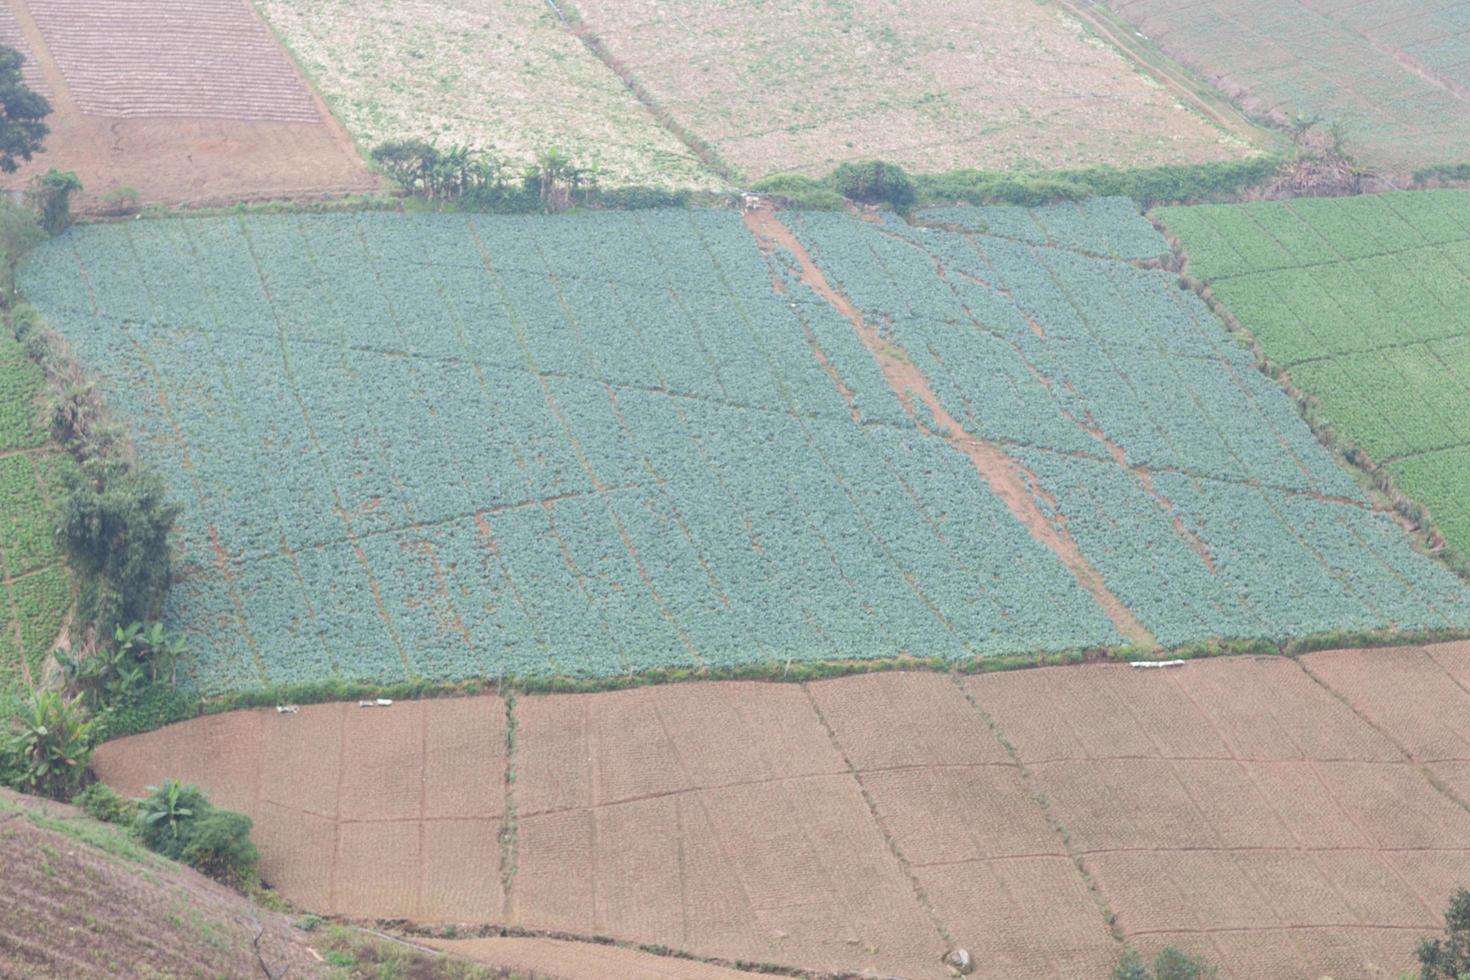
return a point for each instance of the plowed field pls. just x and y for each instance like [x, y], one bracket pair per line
[1270, 814]
[628, 441]
[1395, 75]
[193, 103]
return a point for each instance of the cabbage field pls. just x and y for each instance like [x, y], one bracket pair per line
[1366, 301]
[450, 446]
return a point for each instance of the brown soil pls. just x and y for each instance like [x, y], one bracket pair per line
[173, 159]
[1283, 818]
[72, 909]
[1008, 479]
[580, 961]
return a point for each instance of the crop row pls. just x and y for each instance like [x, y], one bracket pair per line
[1367, 301]
[1182, 472]
[448, 446]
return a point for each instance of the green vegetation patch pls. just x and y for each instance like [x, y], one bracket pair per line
[1366, 302]
[35, 589]
[601, 445]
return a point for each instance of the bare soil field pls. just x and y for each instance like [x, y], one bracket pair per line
[930, 85]
[200, 106]
[1282, 818]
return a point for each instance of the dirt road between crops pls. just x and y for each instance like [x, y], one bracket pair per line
[263, 134]
[1284, 818]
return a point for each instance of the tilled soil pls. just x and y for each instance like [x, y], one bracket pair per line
[68, 909]
[214, 137]
[1283, 818]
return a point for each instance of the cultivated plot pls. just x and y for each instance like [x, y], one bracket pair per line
[1395, 76]
[448, 446]
[502, 76]
[182, 103]
[930, 85]
[1269, 814]
[36, 585]
[1366, 302]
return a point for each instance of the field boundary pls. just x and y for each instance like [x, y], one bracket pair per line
[1372, 475]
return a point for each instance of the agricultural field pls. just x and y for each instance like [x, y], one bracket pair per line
[1395, 76]
[191, 103]
[803, 86]
[1366, 302]
[866, 824]
[616, 442]
[501, 75]
[36, 584]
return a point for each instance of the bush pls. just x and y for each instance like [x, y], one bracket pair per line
[166, 816]
[114, 527]
[1448, 958]
[1179, 183]
[1170, 964]
[800, 191]
[104, 803]
[50, 194]
[219, 846]
[48, 748]
[638, 198]
[874, 182]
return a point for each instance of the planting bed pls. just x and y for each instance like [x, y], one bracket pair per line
[505, 76]
[36, 585]
[929, 85]
[1366, 302]
[444, 447]
[192, 103]
[1267, 814]
[1394, 75]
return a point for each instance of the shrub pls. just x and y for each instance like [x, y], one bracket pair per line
[874, 182]
[121, 201]
[104, 803]
[218, 844]
[50, 194]
[801, 191]
[1448, 958]
[49, 746]
[1170, 964]
[167, 814]
[114, 527]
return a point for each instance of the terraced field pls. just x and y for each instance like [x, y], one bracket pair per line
[1273, 815]
[1395, 75]
[1366, 301]
[37, 586]
[708, 456]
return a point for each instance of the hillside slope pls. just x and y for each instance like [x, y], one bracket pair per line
[82, 899]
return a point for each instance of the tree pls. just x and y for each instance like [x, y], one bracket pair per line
[1449, 958]
[50, 194]
[874, 182]
[21, 129]
[49, 746]
[19, 233]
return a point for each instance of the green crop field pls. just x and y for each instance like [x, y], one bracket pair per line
[1366, 301]
[1392, 73]
[37, 587]
[451, 446]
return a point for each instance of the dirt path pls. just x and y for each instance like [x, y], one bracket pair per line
[1005, 477]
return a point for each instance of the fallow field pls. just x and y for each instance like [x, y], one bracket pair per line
[185, 103]
[803, 86]
[449, 446]
[1366, 302]
[37, 586]
[498, 74]
[1395, 75]
[1283, 818]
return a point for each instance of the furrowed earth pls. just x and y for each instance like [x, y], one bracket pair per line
[1284, 818]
